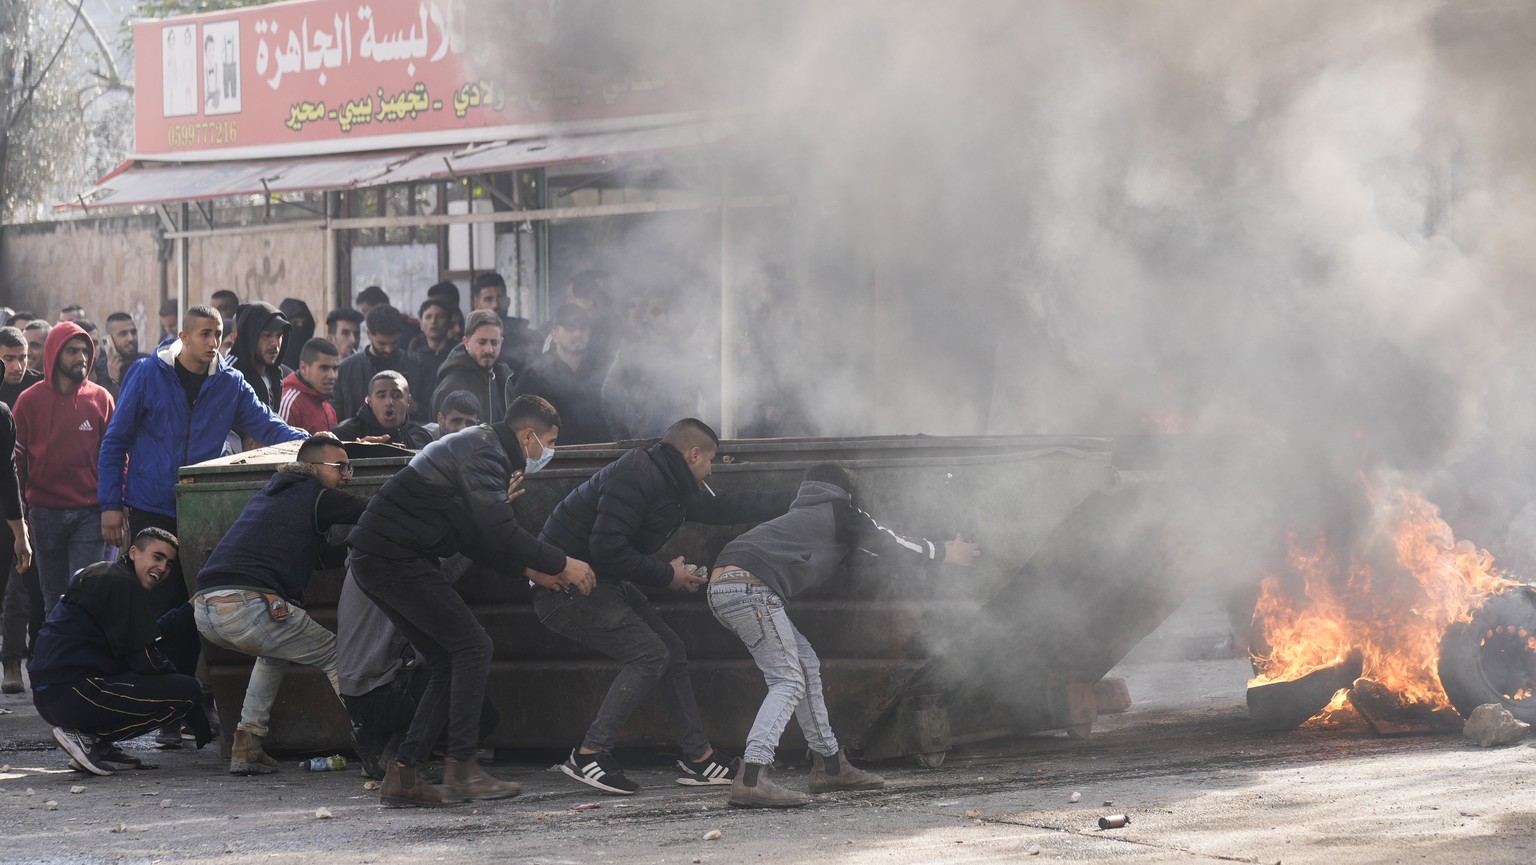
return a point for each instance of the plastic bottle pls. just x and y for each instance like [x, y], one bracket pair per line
[325, 764]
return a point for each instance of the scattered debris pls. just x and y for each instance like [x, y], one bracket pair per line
[120, 828]
[165, 803]
[51, 805]
[971, 813]
[1390, 714]
[1108, 802]
[1074, 798]
[1034, 850]
[5, 768]
[370, 785]
[541, 816]
[1281, 706]
[712, 835]
[322, 813]
[1114, 821]
[31, 792]
[228, 848]
[589, 806]
[76, 790]
[1493, 724]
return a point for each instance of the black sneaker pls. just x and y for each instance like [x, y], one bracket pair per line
[600, 771]
[370, 752]
[718, 770]
[117, 758]
[169, 737]
[80, 747]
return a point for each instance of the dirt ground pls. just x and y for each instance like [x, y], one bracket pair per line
[1198, 784]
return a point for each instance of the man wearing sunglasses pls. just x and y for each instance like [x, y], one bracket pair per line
[250, 593]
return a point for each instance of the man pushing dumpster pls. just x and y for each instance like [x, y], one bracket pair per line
[453, 497]
[754, 575]
[617, 520]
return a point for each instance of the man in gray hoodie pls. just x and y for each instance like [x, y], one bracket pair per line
[753, 576]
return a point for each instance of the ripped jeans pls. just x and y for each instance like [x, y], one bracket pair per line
[793, 672]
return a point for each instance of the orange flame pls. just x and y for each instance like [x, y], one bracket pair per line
[1408, 578]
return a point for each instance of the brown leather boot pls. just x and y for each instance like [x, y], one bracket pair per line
[761, 792]
[11, 684]
[463, 780]
[404, 788]
[829, 774]
[247, 758]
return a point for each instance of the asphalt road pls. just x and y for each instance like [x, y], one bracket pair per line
[1197, 783]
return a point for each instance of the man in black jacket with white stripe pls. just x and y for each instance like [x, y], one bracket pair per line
[453, 497]
[617, 520]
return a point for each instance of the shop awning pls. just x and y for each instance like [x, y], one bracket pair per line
[142, 182]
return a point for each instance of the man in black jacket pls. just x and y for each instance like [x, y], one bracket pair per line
[454, 497]
[617, 520]
[472, 366]
[250, 592]
[383, 415]
[386, 350]
[259, 333]
[97, 675]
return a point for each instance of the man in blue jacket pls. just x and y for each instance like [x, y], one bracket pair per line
[175, 409]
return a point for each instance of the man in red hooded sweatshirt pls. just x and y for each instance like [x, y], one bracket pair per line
[307, 390]
[60, 422]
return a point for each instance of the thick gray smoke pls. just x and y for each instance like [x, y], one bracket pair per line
[1301, 227]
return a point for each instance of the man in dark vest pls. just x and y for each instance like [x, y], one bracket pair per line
[249, 594]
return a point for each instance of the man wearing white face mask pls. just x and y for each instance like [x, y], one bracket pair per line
[454, 497]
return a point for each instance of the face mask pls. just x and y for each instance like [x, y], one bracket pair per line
[539, 462]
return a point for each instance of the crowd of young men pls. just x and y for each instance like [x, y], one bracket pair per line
[99, 434]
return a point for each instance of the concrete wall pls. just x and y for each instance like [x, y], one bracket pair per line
[103, 264]
[111, 264]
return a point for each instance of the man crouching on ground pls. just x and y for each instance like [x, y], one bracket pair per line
[97, 675]
[249, 594]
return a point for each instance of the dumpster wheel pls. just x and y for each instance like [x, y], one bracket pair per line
[931, 759]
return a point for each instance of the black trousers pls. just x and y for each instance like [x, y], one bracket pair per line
[440, 627]
[22, 603]
[120, 706]
[388, 709]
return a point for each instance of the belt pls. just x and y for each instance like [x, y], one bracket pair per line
[737, 575]
[229, 595]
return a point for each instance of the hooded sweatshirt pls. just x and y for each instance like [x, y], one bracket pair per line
[303, 321]
[461, 372]
[58, 436]
[801, 549]
[304, 407]
[250, 321]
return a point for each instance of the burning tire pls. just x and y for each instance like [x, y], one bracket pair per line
[1492, 659]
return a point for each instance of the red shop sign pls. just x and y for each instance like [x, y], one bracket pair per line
[333, 76]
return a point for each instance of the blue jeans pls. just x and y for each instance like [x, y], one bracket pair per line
[789, 664]
[243, 625]
[64, 540]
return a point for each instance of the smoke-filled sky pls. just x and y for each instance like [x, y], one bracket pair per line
[1302, 226]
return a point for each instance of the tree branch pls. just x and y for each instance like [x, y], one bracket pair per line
[113, 76]
[26, 100]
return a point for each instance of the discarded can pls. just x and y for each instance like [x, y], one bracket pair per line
[325, 764]
[1114, 821]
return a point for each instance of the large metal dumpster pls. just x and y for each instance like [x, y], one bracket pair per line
[914, 661]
